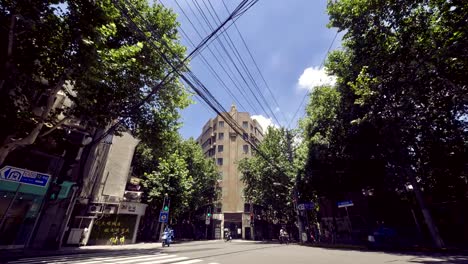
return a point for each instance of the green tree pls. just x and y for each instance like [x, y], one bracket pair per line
[270, 178]
[184, 173]
[90, 52]
[403, 99]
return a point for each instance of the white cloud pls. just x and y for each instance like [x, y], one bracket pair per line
[264, 121]
[313, 76]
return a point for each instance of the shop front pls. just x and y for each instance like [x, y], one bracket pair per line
[19, 210]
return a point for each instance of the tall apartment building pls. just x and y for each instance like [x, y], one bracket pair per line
[220, 142]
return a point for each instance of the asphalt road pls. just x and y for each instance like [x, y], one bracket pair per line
[241, 252]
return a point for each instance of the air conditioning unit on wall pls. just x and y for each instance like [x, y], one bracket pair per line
[95, 208]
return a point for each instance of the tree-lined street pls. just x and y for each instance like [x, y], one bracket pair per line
[366, 149]
[237, 251]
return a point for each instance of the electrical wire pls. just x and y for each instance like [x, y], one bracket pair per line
[255, 63]
[258, 96]
[308, 91]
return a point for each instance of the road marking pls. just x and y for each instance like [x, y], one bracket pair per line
[88, 258]
[110, 258]
[162, 261]
[143, 258]
[189, 261]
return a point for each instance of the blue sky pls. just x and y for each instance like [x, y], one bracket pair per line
[288, 40]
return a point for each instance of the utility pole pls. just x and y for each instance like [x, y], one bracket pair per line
[295, 189]
[164, 210]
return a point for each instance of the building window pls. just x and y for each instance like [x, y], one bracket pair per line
[220, 148]
[207, 143]
[245, 124]
[247, 208]
[246, 149]
[220, 136]
[221, 124]
[251, 128]
[214, 127]
[246, 136]
[220, 161]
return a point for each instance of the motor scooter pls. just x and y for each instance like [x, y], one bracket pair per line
[166, 239]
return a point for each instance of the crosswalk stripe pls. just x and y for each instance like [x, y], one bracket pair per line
[140, 259]
[110, 258]
[73, 257]
[162, 261]
[89, 259]
[116, 258]
[189, 261]
[40, 259]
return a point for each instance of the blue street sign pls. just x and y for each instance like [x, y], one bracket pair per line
[306, 206]
[163, 216]
[23, 176]
[345, 204]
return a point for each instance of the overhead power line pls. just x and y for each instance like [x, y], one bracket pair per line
[240, 9]
[217, 59]
[308, 91]
[255, 63]
[204, 93]
[252, 85]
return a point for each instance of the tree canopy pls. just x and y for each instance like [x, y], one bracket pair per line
[185, 174]
[90, 52]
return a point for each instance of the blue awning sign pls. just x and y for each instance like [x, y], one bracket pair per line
[23, 176]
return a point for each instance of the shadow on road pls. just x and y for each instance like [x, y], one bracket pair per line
[442, 259]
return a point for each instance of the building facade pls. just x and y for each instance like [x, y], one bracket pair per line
[106, 207]
[222, 143]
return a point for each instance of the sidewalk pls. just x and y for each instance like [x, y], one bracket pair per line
[29, 253]
[407, 249]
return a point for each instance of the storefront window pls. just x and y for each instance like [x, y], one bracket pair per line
[19, 207]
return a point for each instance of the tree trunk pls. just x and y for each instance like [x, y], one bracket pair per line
[433, 230]
[7, 65]
[7, 148]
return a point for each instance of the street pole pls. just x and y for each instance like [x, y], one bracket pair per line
[295, 189]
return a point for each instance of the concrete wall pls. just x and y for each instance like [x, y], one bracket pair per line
[116, 171]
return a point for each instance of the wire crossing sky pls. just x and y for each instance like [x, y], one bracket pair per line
[265, 63]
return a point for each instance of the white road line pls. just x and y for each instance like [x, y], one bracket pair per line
[92, 260]
[59, 257]
[117, 258]
[189, 261]
[111, 259]
[140, 259]
[162, 261]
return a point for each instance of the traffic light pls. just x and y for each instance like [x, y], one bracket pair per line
[54, 191]
[166, 203]
[208, 212]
